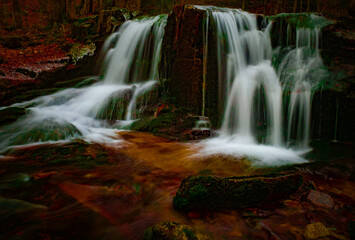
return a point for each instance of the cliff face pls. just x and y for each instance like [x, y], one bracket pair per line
[182, 57]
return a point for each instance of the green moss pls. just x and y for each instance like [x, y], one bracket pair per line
[77, 153]
[173, 231]
[211, 193]
[78, 51]
[302, 20]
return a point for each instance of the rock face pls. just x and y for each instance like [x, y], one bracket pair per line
[333, 107]
[173, 231]
[182, 57]
[213, 193]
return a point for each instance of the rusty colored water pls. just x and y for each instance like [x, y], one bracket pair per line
[90, 191]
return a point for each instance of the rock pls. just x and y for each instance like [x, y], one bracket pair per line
[320, 199]
[173, 231]
[182, 57]
[315, 231]
[213, 193]
[27, 72]
[11, 114]
[79, 51]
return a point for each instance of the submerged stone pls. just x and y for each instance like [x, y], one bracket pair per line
[315, 231]
[213, 193]
[321, 199]
[173, 231]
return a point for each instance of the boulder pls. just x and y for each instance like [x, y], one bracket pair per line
[213, 193]
[321, 199]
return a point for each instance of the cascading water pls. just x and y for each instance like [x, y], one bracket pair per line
[252, 88]
[130, 69]
[301, 70]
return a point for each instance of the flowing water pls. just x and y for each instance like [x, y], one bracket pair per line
[130, 68]
[267, 105]
[252, 88]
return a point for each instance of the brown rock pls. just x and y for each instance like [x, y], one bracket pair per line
[321, 199]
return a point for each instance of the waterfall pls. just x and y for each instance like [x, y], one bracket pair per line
[244, 65]
[130, 68]
[300, 71]
[252, 87]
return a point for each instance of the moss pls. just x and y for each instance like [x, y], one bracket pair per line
[173, 231]
[302, 20]
[77, 153]
[154, 125]
[78, 51]
[213, 193]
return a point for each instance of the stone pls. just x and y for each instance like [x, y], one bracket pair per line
[173, 231]
[321, 199]
[79, 51]
[315, 231]
[27, 72]
[214, 193]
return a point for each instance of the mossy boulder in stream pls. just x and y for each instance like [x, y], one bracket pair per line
[173, 231]
[213, 193]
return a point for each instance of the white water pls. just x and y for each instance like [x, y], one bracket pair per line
[247, 76]
[130, 68]
[301, 70]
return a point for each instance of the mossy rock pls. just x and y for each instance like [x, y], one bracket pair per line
[77, 153]
[155, 125]
[173, 231]
[213, 193]
[78, 51]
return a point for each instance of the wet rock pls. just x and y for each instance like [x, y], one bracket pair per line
[182, 57]
[27, 72]
[173, 231]
[321, 199]
[315, 231]
[110, 18]
[11, 114]
[213, 193]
